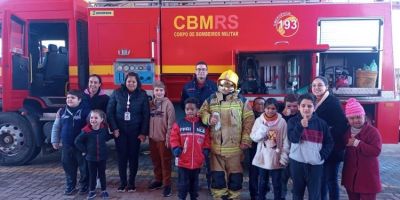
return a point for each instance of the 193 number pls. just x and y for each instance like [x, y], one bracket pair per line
[288, 24]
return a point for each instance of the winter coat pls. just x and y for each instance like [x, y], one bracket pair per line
[273, 144]
[237, 119]
[97, 101]
[162, 117]
[139, 110]
[93, 142]
[311, 145]
[191, 89]
[361, 166]
[68, 124]
[332, 113]
[193, 137]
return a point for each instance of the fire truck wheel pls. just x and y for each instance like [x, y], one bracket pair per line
[17, 142]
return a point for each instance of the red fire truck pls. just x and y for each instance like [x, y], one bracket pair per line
[275, 48]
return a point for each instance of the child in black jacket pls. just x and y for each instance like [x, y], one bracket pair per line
[92, 143]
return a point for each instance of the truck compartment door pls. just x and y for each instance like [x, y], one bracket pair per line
[15, 63]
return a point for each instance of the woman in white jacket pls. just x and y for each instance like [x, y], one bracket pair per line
[270, 132]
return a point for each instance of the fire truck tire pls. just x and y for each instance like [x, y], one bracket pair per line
[17, 142]
[36, 131]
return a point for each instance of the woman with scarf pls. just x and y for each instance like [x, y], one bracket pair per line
[329, 109]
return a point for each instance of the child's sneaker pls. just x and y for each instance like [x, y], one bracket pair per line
[167, 191]
[155, 185]
[91, 195]
[131, 188]
[104, 195]
[121, 188]
[69, 191]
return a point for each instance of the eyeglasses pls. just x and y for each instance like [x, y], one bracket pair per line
[201, 69]
[226, 83]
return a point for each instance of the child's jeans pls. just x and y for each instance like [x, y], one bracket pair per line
[254, 173]
[284, 179]
[276, 183]
[188, 182]
[306, 175]
[71, 159]
[97, 169]
[208, 171]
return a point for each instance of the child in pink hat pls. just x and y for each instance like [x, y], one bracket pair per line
[360, 174]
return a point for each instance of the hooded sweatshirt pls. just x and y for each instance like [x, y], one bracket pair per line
[162, 117]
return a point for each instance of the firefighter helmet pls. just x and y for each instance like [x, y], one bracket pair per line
[230, 76]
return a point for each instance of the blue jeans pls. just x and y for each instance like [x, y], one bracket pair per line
[208, 172]
[330, 181]
[264, 180]
[306, 175]
[188, 182]
[253, 172]
[284, 179]
[72, 159]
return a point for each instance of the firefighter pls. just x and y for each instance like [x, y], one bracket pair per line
[231, 118]
[200, 87]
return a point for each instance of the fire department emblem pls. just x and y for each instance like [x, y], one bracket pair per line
[286, 24]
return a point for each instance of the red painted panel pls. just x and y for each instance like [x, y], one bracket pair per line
[12, 39]
[132, 29]
[175, 84]
[387, 121]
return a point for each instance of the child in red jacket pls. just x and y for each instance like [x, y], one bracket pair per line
[190, 142]
[360, 174]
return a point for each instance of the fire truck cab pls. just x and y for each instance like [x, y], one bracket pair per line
[33, 81]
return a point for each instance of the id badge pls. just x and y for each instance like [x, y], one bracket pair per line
[127, 116]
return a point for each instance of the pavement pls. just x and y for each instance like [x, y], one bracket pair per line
[44, 179]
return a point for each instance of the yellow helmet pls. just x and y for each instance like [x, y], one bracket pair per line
[230, 76]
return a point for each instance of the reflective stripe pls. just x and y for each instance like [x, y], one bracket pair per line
[225, 150]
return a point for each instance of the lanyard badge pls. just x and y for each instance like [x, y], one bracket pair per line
[127, 114]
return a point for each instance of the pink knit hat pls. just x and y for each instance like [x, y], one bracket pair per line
[353, 108]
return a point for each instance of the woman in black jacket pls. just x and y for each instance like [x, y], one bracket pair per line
[329, 109]
[128, 115]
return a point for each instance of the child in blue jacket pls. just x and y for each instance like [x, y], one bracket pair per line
[311, 143]
[67, 126]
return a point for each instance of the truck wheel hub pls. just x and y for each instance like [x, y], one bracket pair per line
[11, 139]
